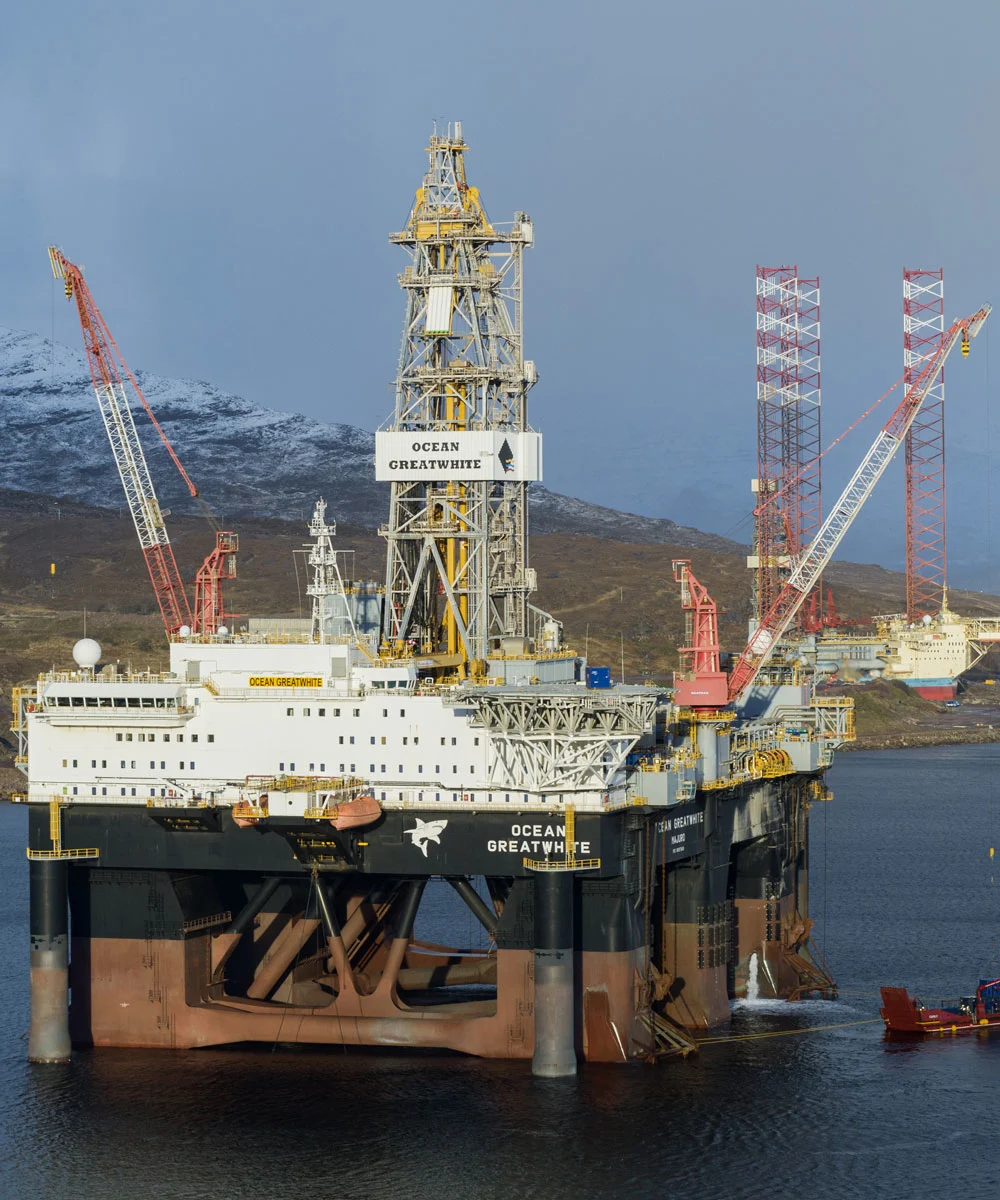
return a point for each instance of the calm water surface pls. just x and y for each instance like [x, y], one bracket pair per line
[903, 892]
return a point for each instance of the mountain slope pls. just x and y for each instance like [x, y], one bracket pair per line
[246, 460]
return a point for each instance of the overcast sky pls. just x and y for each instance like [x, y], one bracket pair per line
[229, 172]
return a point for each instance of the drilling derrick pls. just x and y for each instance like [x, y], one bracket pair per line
[789, 509]
[926, 558]
[458, 450]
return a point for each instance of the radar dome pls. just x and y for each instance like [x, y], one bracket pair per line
[184, 631]
[87, 653]
[223, 631]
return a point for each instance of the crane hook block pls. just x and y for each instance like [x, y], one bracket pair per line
[965, 343]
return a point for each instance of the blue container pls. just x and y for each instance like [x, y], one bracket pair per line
[598, 677]
[989, 991]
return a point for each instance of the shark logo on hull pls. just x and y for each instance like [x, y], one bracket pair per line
[426, 831]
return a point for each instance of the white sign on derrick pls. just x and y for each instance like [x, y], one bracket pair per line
[466, 455]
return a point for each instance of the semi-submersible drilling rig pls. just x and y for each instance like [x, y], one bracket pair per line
[236, 849]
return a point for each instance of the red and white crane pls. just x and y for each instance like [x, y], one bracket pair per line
[809, 567]
[705, 685]
[108, 372]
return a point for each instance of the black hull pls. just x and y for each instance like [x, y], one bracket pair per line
[188, 930]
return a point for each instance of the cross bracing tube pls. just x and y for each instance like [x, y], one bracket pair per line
[807, 570]
[558, 742]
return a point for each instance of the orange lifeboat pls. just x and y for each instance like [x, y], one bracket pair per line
[246, 814]
[361, 810]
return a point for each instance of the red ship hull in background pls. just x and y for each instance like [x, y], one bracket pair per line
[907, 1016]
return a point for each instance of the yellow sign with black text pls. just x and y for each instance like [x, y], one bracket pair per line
[286, 681]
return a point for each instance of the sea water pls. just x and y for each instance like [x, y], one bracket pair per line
[901, 893]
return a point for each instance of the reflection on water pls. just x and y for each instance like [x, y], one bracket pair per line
[906, 897]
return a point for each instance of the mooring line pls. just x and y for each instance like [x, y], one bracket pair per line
[752, 1037]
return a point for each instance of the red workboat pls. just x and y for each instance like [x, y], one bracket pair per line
[907, 1015]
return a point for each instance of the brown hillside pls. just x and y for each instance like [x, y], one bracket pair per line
[606, 592]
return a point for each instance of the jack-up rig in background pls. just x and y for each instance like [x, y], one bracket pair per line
[928, 647]
[788, 488]
[109, 371]
[800, 574]
[926, 533]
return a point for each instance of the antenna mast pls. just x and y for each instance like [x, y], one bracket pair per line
[326, 578]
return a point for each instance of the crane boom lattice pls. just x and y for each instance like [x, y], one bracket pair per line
[106, 369]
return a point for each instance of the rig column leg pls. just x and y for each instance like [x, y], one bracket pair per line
[555, 1052]
[48, 1040]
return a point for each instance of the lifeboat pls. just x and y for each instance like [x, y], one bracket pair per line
[361, 810]
[908, 1016]
[246, 814]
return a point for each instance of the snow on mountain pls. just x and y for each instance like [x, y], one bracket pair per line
[245, 459]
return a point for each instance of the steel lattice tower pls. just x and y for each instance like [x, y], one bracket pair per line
[926, 557]
[789, 507]
[457, 578]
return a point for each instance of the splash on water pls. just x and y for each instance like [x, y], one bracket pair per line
[753, 987]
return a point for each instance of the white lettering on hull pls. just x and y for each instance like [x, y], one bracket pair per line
[536, 839]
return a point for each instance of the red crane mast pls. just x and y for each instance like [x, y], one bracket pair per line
[705, 685]
[108, 372]
[209, 615]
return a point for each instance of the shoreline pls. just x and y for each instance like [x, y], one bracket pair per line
[889, 716]
[916, 740]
